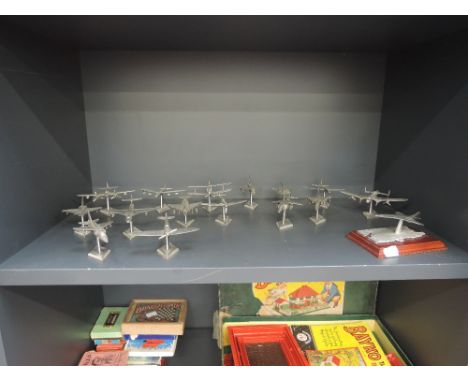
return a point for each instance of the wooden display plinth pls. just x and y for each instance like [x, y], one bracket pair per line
[424, 244]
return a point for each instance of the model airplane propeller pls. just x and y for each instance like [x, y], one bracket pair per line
[211, 190]
[224, 219]
[250, 189]
[163, 191]
[167, 250]
[107, 193]
[81, 211]
[100, 232]
[372, 197]
[185, 207]
[129, 213]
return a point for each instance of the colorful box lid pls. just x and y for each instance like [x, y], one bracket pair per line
[108, 324]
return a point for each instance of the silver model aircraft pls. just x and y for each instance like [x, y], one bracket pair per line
[210, 191]
[283, 191]
[250, 189]
[402, 218]
[99, 230]
[107, 193]
[163, 191]
[320, 202]
[324, 189]
[283, 206]
[81, 211]
[185, 207]
[168, 249]
[224, 219]
[129, 213]
[372, 197]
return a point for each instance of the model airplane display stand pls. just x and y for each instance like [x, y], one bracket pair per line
[396, 241]
[167, 250]
[185, 207]
[99, 230]
[320, 202]
[286, 203]
[373, 197]
[163, 191]
[224, 219]
[81, 212]
[129, 213]
[250, 189]
[211, 190]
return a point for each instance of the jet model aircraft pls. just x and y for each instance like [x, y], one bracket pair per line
[283, 206]
[211, 190]
[402, 218]
[81, 211]
[99, 231]
[163, 191]
[224, 219]
[320, 202]
[185, 207]
[129, 213]
[108, 193]
[250, 189]
[372, 197]
[168, 249]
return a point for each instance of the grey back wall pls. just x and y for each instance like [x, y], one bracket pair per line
[179, 118]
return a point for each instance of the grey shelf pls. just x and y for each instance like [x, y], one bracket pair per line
[250, 249]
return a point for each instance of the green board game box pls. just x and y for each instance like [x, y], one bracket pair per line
[108, 324]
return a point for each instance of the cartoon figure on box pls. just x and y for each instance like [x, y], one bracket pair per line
[291, 299]
[330, 294]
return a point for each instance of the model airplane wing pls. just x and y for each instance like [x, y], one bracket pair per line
[400, 216]
[236, 202]
[151, 192]
[387, 200]
[354, 196]
[150, 233]
[180, 231]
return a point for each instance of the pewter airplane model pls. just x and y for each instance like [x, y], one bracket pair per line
[129, 213]
[283, 206]
[81, 211]
[402, 218]
[283, 191]
[319, 201]
[108, 192]
[163, 191]
[168, 249]
[185, 207]
[224, 219]
[372, 197]
[250, 189]
[210, 191]
[324, 188]
[99, 231]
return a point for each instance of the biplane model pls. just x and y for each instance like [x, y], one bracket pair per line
[210, 191]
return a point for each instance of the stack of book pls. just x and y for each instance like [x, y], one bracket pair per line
[145, 333]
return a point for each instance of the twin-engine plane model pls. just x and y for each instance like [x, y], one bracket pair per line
[211, 190]
[129, 213]
[100, 232]
[107, 193]
[185, 207]
[167, 250]
[81, 212]
[163, 191]
[372, 197]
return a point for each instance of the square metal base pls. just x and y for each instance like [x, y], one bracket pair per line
[318, 221]
[182, 223]
[283, 227]
[369, 215]
[130, 235]
[251, 206]
[222, 222]
[167, 254]
[99, 256]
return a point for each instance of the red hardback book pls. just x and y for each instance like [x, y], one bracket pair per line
[265, 345]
